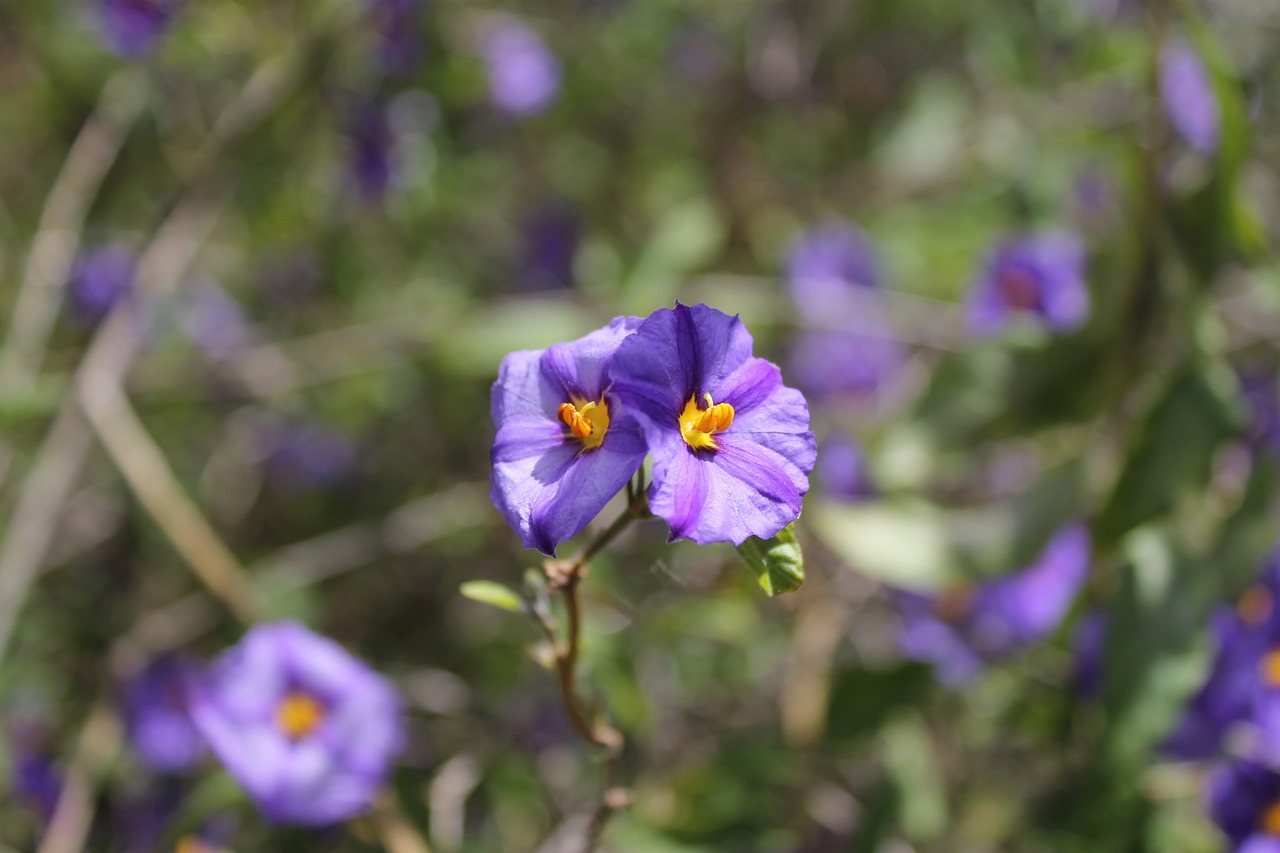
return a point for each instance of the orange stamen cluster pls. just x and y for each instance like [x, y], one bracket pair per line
[1255, 606]
[587, 422]
[298, 715]
[1270, 669]
[1270, 820]
[698, 425]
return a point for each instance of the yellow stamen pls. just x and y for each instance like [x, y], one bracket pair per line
[698, 425]
[955, 604]
[193, 844]
[587, 422]
[1270, 820]
[1270, 669]
[299, 715]
[1256, 605]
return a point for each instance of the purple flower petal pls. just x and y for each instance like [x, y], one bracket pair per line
[547, 483]
[825, 268]
[1189, 97]
[1040, 277]
[524, 76]
[753, 482]
[157, 716]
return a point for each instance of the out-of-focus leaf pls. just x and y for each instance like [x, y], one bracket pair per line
[910, 761]
[777, 563]
[1157, 651]
[687, 239]
[479, 339]
[494, 594]
[1249, 533]
[1174, 450]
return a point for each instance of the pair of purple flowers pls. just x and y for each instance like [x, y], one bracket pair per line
[731, 444]
[308, 731]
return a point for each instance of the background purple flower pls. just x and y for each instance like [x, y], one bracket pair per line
[524, 76]
[102, 277]
[157, 716]
[961, 630]
[1189, 98]
[33, 779]
[827, 363]
[372, 161]
[131, 27]
[1244, 799]
[1090, 646]
[304, 456]
[215, 321]
[547, 480]
[731, 444]
[1039, 276]
[842, 470]
[399, 39]
[309, 731]
[550, 237]
[825, 268]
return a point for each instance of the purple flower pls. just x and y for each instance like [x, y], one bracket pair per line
[1189, 98]
[830, 364]
[1244, 799]
[1038, 276]
[731, 444]
[131, 27]
[826, 268]
[309, 731]
[1263, 401]
[697, 54]
[215, 321]
[1090, 647]
[551, 236]
[372, 161]
[961, 630]
[101, 278]
[34, 781]
[524, 76]
[308, 455]
[565, 442]
[842, 470]
[157, 717]
[400, 44]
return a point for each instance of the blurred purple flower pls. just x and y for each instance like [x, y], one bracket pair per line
[962, 630]
[1244, 799]
[308, 455]
[551, 236]
[842, 470]
[731, 445]
[215, 321]
[399, 41]
[34, 781]
[131, 27]
[372, 163]
[524, 76]
[826, 267]
[696, 54]
[1090, 646]
[157, 718]
[1189, 98]
[564, 445]
[1040, 276]
[101, 278]
[827, 364]
[1262, 398]
[309, 731]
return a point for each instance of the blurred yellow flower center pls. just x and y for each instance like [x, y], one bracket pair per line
[588, 422]
[1271, 669]
[299, 715]
[1255, 605]
[954, 604]
[698, 425]
[192, 844]
[1270, 822]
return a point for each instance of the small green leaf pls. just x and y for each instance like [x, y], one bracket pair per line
[489, 592]
[777, 563]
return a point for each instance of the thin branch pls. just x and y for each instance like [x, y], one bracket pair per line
[147, 472]
[395, 831]
[57, 238]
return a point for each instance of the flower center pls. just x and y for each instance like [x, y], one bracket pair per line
[1269, 822]
[1018, 287]
[698, 425]
[955, 604]
[587, 422]
[1255, 605]
[298, 715]
[1270, 669]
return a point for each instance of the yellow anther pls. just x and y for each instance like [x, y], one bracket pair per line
[1270, 820]
[1255, 605]
[587, 422]
[699, 425]
[298, 715]
[1270, 669]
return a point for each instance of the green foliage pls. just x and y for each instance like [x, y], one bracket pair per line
[777, 563]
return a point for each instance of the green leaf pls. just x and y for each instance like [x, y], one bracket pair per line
[777, 563]
[495, 594]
